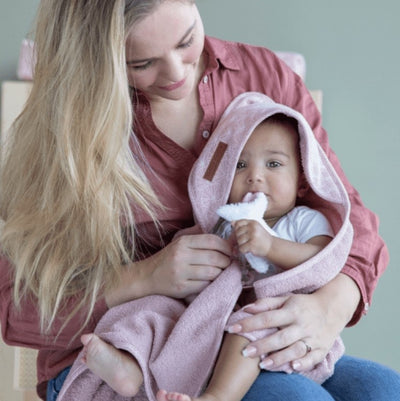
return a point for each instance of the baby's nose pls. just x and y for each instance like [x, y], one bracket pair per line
[254, 175]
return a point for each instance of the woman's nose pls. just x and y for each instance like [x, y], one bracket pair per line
[174, 70]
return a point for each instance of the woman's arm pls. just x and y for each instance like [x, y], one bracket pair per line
[21, 327]
[183, 267]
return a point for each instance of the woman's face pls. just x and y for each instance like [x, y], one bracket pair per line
[163, 51]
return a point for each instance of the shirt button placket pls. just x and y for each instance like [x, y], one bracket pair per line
[207, 102]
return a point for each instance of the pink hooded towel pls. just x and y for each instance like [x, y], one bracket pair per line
[177, 345]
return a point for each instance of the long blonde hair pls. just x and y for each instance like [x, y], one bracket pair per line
[69, 180]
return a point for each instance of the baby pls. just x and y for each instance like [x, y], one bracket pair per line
[269, 164]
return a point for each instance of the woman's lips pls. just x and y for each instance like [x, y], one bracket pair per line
[174, 86]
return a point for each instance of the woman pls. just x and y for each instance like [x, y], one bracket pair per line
[85, 230]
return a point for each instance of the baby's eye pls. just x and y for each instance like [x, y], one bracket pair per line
[240, 164]
[273, 164]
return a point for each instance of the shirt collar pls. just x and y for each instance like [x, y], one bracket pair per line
[219, 55]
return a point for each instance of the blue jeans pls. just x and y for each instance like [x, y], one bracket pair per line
[54, 385]
[354, 380]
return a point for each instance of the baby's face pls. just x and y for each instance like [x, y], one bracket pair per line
[269, 163]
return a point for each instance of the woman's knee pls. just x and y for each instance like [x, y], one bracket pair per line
[358, 379]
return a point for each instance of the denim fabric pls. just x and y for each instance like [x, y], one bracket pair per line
[54, 385]
[354, 380]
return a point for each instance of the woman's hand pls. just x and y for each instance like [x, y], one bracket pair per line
[313, 320]
[188, 264]
[184, 267]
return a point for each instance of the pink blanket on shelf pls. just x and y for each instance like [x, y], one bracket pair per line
[176, 345]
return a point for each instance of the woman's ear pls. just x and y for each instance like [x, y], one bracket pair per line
[303, 186]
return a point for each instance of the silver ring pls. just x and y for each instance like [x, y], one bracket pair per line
[308, 348]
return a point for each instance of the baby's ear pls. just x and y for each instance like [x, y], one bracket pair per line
[303, 186]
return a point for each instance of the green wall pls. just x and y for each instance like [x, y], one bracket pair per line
[16, 19]
[352, 53]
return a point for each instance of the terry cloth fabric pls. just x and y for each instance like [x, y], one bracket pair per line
[176, 346]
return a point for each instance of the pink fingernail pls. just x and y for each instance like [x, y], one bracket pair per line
[236, 328]
[249, 306]
[249, 351]
[266, 363]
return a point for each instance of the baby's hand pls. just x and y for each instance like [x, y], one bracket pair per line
[252, 237]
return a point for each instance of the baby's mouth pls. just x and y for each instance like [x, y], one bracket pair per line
[250, 196]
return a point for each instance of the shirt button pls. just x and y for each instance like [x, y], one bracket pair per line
[205, 79]
[206, 134]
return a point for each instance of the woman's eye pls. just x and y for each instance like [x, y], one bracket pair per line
[188, 43]
[240, 164]
[140, 67]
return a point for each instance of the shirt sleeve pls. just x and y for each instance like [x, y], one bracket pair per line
[21, 327]
[369, 256]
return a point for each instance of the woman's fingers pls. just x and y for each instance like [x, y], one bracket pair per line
[205, 257]
[279, 340]
[308, 361]
[266, 314]
[202, 250]
[206, 242]
[266, 304]
[209, 258]
[204, 273]
[261, 321]
[302, 336]
[188, 264]
[293, 352]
